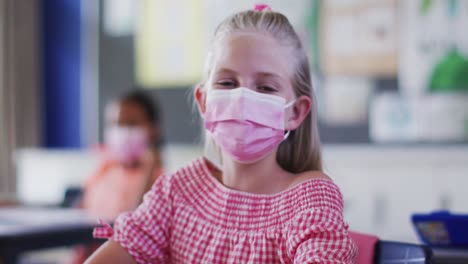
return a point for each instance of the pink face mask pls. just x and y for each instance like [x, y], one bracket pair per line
[246, 124]
[126, 144]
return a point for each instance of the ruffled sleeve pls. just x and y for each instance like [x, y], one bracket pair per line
[320, 235]
[145, 232]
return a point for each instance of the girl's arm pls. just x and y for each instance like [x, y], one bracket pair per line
[142, 235]
[321, 237]
[319, 234]
[110, 252]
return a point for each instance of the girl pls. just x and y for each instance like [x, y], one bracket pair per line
[268, 200]
[130, 165]
[132, 159]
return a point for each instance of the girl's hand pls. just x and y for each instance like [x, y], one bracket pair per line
[110, 252]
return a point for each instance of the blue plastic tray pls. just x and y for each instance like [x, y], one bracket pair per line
[442, 229]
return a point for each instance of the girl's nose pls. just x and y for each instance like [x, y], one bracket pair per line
[250, 84]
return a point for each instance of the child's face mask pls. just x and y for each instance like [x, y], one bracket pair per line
[246, 124]
[126, 144]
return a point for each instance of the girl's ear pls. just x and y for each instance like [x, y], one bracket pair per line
[298, 112]
[200, 98]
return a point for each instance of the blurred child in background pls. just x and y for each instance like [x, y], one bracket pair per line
[131, 160]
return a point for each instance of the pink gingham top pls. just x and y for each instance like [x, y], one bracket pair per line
[190, 217]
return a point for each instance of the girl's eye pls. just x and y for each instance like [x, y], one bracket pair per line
[226, 84]
[266, 89]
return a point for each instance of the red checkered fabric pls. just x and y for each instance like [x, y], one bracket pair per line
[190, 217]
[105, 231]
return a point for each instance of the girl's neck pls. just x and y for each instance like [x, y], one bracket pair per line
[262, 177]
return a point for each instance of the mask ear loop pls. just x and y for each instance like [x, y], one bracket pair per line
[286, 135]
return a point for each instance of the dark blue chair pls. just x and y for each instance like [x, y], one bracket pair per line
[389, 252]
[372, 250]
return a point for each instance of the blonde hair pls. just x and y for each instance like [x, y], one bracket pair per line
[301, 150]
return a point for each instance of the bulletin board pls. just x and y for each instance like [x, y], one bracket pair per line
[359, 37]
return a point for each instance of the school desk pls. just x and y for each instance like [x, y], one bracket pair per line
[24, 229]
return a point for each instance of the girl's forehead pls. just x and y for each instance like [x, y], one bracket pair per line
[252, 51]
[119, 108]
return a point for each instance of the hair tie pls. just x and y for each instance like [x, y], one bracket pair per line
[261, 7]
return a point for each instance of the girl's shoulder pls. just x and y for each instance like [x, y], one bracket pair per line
[183, 176]
[310, 175]
[315, 189]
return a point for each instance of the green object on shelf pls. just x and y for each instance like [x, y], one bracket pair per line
[425, 6]
[451, 74]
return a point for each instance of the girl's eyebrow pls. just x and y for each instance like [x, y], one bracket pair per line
[261, 74]
[268, 74]
[226, 70]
